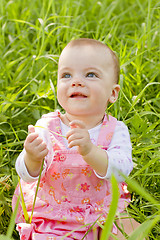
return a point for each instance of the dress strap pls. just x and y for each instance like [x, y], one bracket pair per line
[55, 114]
[53, 125]
[106, 131]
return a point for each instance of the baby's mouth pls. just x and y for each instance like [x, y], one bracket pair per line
[78, 95]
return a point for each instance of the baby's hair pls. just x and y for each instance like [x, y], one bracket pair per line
[93, 42]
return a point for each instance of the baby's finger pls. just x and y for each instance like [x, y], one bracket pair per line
[74, 143]
[42, 147]
[31, 129]
[77, 124]
[74, 136]
[31, 137]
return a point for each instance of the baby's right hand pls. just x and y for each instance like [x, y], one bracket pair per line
[36, 148]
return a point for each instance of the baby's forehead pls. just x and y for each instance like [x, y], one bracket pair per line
[92, 47]
[93, 50]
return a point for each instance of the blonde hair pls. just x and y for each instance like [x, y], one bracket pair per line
[93, 42]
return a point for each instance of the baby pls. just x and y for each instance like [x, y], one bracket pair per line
[81, 149]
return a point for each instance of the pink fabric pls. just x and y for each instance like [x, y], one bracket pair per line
[70, 195]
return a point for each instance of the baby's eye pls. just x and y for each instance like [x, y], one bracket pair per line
[66, 75]
[91, 75]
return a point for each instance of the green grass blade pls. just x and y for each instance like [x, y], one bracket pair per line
[144, 229]
[141, 191]
[112, 211]
[12, 220]
[26, 216]
[36, 191]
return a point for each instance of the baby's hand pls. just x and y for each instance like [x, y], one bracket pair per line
[36, 148]
[79, 136]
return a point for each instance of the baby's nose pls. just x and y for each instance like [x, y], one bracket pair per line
[77, 83]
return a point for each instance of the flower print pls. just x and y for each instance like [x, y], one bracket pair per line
[86, 172]
[98, 209]
[56, 147]
[85, 200]
[63, 219]
[62, 157]
[100, 202]
[124, 188]
[98, 187]
[85, 187]
[63, 188]
[59, 157]
[102, 220]
[65, 173]
[51, 192]
[80, 219]
[70, 175]
[41, 185]
[57, 201]
[126, 193]
[51, 238]
[107, 193]
[23, 237]
[64, 199]
[78, 187]
[55, 175]
[76, 209]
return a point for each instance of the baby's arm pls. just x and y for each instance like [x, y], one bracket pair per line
[35, 151]
[94, 156]
[119, 153]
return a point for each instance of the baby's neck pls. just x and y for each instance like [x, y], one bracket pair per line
[89, 121]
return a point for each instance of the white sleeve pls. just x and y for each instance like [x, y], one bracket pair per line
[20, 164]
[119, 153]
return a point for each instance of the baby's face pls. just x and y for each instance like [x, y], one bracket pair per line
[86, 80]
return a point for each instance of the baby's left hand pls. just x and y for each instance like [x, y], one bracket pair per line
[79, 136]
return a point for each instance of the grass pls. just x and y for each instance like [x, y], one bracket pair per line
[32, 35]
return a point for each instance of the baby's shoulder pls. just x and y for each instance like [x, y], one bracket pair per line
[121, 124]
[121, 127]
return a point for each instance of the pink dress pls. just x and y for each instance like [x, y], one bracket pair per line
[70, 196]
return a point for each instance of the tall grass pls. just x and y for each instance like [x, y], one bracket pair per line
[32, 35]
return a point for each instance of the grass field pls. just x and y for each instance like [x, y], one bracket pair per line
[32, 35]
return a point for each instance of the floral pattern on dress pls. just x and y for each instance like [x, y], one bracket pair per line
[99, 185]
[59, 157]
[85, 200]
[76, 209]
[86, 171]
[65, 173]
[85, 187]
[55, 176]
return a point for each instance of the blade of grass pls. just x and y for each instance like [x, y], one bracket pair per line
[112, 210]
[36, 191]
[26, 216]
[141, 191]
[143, 230]
[12, 220]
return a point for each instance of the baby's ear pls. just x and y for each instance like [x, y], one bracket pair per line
[114, 93]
